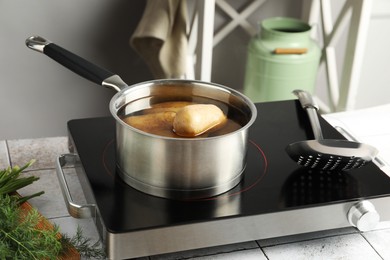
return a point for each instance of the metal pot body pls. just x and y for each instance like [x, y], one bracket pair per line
[180, 168]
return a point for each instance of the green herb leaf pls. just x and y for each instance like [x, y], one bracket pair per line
[11, 181]
[19, 236]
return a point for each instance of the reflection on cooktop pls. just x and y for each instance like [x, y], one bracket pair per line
[309, 186]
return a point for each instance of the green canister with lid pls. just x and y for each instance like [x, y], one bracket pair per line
[282, 58]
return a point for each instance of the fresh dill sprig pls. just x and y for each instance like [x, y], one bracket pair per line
[19, 236]
[21, 239]
[83, 245]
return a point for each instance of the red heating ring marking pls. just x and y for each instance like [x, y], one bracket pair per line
[264, 170]
[104, 157]
[260, 177]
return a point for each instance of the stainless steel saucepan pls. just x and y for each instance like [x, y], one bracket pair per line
[170, 167]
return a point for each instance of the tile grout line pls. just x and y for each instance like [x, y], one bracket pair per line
[217, 253]
[371, 246]
[309, 239]
[8, 153]
[317, 238]
[60, 217]
[261, 249]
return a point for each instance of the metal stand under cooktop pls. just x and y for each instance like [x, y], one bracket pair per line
[275, 198]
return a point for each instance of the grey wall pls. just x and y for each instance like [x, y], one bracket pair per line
[37, 95]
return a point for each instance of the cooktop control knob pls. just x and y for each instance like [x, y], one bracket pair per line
[363, 216]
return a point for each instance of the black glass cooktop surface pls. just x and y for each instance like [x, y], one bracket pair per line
[272, 181]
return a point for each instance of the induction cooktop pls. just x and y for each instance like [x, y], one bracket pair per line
[276, 197]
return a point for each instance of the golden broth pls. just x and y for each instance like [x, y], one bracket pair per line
[155, 116]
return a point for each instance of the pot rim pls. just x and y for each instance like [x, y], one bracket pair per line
[136, 86]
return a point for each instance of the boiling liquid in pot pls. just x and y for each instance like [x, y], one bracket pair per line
[161, 123]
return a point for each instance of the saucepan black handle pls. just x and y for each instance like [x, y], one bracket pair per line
[75, 63]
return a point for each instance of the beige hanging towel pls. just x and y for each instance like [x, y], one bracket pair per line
[161, 39]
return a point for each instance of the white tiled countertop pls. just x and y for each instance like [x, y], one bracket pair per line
[369, 126]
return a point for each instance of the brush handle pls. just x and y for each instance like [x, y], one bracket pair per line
[307, 103]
